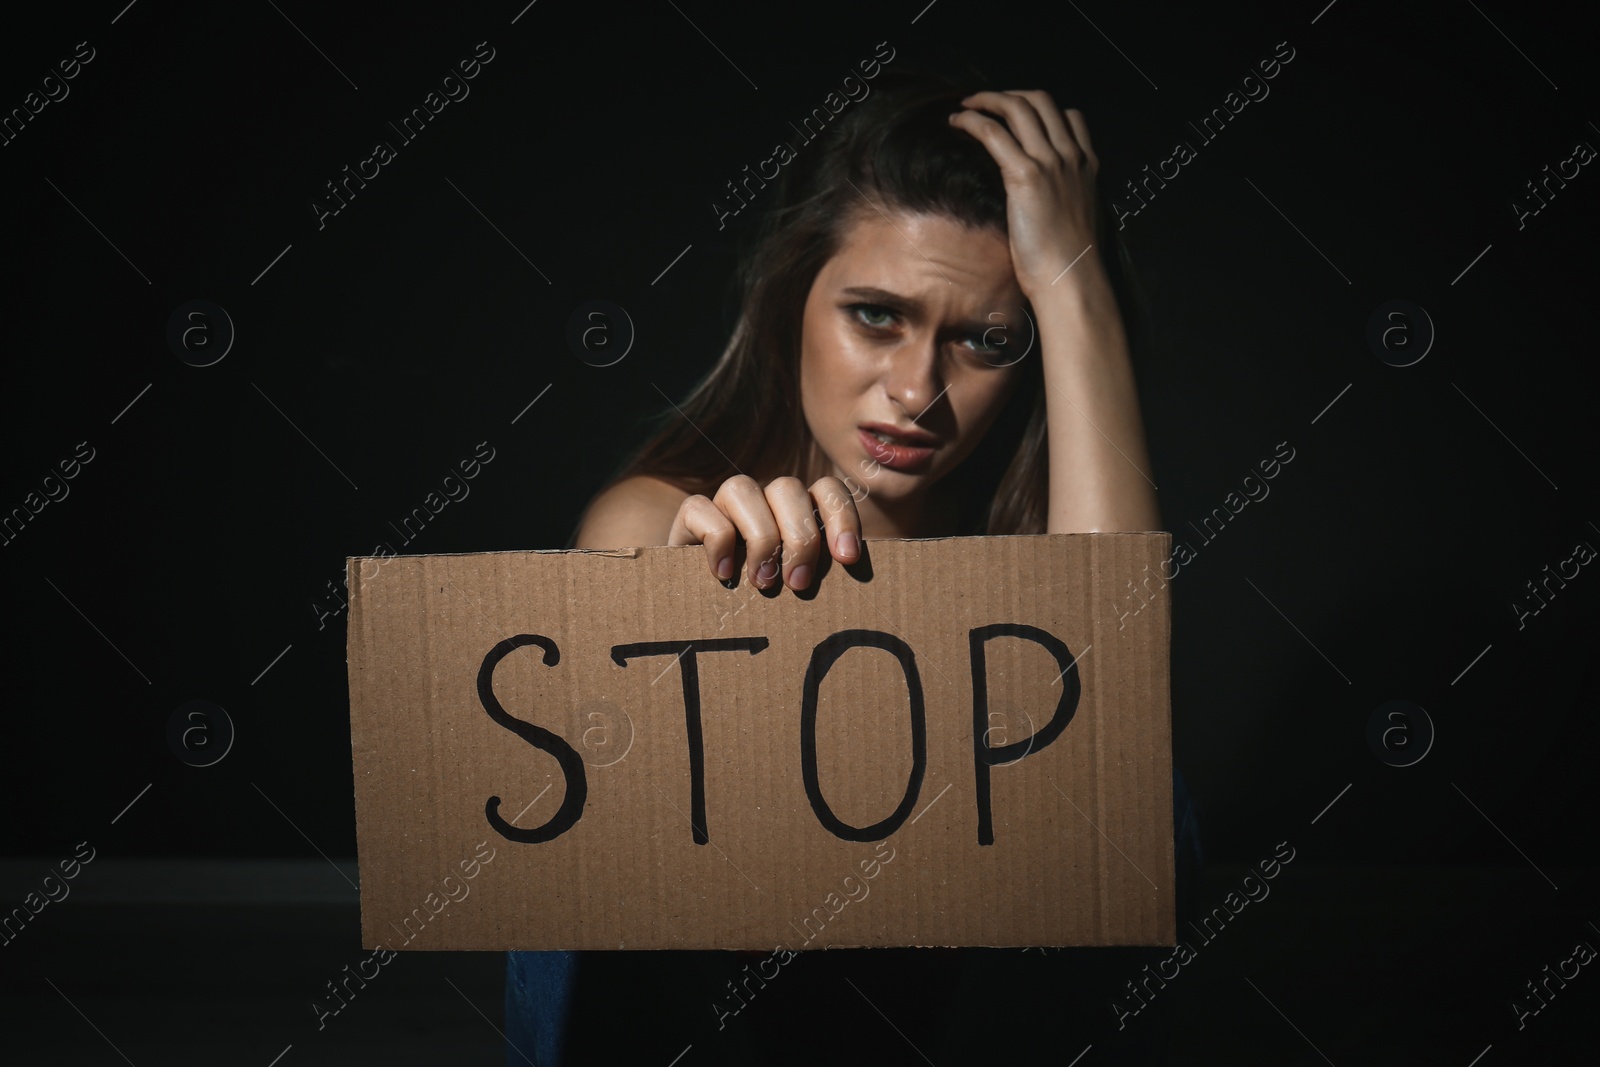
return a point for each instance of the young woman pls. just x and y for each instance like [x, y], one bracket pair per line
[929, 344]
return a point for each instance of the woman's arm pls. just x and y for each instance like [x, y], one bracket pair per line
[1099, 465]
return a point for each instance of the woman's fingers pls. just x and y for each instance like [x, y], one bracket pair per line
[802, 541]
[700, 522]
[1080, 133]
[1068, 130]
[742, 500]
[1043, 130]
[1013, 159]
[1022, 120]
[839, 518]
[779, 526]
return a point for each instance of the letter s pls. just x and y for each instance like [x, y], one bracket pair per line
[479, 452]
[479, 52]
[79, 53]
[1279, 452]
[1278, 852]
[577, 784]
[79, 451]
[879, 53]
[1279, 51]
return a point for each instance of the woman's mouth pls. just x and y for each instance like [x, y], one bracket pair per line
[894, 453]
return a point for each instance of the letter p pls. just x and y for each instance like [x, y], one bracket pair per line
[984, 756]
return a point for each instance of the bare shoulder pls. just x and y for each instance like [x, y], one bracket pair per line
[636, 512]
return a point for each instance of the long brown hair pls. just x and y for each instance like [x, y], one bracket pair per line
[744, 416]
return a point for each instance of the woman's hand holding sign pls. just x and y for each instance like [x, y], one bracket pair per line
[776, 523]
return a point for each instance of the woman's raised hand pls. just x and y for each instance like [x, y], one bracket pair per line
[1049, 168]
[776, 524]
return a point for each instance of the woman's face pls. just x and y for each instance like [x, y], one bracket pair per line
[911, 326]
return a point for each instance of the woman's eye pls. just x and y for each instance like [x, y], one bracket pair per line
[986, 345]
[982, 345]
[866, 313]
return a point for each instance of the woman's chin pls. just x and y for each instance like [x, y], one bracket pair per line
[886, 483]
[899, 487]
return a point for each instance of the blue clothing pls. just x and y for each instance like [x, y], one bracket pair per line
[538, 1002]
[546, 1024]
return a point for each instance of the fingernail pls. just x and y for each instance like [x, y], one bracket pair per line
[768, 571]
[725, 568]
[800, 576]
[847, 544]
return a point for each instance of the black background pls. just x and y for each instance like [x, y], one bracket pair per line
[194, 548]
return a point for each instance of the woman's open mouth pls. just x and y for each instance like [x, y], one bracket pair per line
[894, 453]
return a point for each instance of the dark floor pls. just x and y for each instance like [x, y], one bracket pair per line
[185, 962]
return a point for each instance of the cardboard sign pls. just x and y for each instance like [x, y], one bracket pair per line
[956, 741]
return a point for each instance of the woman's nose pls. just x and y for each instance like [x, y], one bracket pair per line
[913, 380]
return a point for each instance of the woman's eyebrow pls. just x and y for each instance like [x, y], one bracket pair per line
[905, 304]
[884, 297]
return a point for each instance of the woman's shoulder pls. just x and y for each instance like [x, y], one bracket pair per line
[633, 512]
[644, 489]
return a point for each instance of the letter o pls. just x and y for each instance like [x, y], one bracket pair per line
[823, 657]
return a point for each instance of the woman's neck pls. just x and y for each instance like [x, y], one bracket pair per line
[933, 515]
